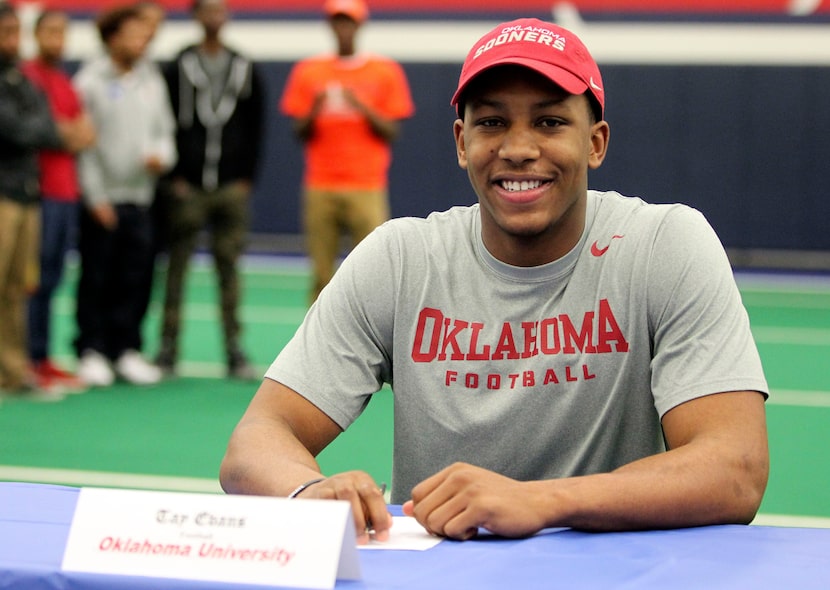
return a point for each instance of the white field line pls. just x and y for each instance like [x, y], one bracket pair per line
[209, 312]
[791, 520]
[793, 336]
[75, 477]
[789, 397]
[293, 315]
[787, 300]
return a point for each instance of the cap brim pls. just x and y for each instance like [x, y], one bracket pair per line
[559, 76]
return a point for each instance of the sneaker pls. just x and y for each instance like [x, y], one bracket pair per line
[133, 367]
[48, 373]
[31, 392]
[94, 369]
[240, 368]
[47, 383]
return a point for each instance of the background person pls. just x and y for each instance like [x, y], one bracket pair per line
[60, 192]
[26, 126]
[346, 109]
[561, 356]
[218, 100]
[153, 15]
[128, 102]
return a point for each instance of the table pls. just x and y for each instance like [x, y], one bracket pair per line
[35, 521]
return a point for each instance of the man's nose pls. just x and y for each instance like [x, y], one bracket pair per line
[519, 144]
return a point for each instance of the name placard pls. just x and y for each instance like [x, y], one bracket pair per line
[237, 539]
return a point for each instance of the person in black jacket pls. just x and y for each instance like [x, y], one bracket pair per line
[26, 126]
[218, 97]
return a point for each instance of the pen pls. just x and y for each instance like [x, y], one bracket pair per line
[369, 529]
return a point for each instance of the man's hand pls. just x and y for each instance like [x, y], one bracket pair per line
[105, 215]
[459, 499]
[154, 165]
[386, 129]
[77, 134]
[180, 188]
[368, 505]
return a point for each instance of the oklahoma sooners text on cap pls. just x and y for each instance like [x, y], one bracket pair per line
[354, 9]
[554, 52]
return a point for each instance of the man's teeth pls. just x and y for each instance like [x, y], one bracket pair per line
[523, 185]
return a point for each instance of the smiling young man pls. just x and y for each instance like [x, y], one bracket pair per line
[561, 356]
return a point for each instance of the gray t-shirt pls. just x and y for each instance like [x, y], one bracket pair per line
[551, 371]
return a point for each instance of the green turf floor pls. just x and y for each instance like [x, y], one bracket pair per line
[180, 427]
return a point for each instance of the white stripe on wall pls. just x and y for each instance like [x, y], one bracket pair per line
[449, 41]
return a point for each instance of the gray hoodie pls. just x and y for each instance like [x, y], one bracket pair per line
[133, 119]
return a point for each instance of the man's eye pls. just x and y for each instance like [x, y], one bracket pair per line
[489, 122]
[550, 122]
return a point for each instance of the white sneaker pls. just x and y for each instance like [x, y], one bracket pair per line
[133, 367]
[94, 369]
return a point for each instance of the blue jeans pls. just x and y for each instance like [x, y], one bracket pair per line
[59, 228]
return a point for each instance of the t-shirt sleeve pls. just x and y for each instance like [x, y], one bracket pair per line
[702, 339]
[341, 353]
[297, 96]
[397, 102]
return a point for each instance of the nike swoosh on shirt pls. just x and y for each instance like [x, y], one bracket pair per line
[597, 251]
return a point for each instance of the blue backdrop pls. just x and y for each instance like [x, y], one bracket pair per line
[747, 145]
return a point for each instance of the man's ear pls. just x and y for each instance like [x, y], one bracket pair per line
[600, 135]
[460, 149]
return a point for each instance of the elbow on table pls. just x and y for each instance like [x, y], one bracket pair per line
[749, 491]
[234, 475]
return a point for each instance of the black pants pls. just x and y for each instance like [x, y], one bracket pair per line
[115, 265]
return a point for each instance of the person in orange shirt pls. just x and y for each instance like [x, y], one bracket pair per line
[346, 109]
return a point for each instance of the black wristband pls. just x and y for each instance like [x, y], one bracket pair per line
[299, 489]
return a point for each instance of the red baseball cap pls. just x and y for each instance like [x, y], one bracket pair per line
[354, 9]
[548, 49]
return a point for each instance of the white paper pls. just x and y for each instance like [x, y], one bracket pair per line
[226, 538]
[406, 534]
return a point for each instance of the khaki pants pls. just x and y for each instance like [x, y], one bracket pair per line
[326, 214]
[19, 251]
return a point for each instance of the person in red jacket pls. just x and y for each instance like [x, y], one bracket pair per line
[60, 194]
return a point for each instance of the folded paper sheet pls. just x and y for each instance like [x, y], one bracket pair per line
[405, 534]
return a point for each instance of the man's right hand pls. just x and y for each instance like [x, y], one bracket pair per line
[105, 215]
[371, 517]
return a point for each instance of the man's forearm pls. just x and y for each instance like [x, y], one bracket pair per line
[680, 488]
[263, 460]
[715, 472]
